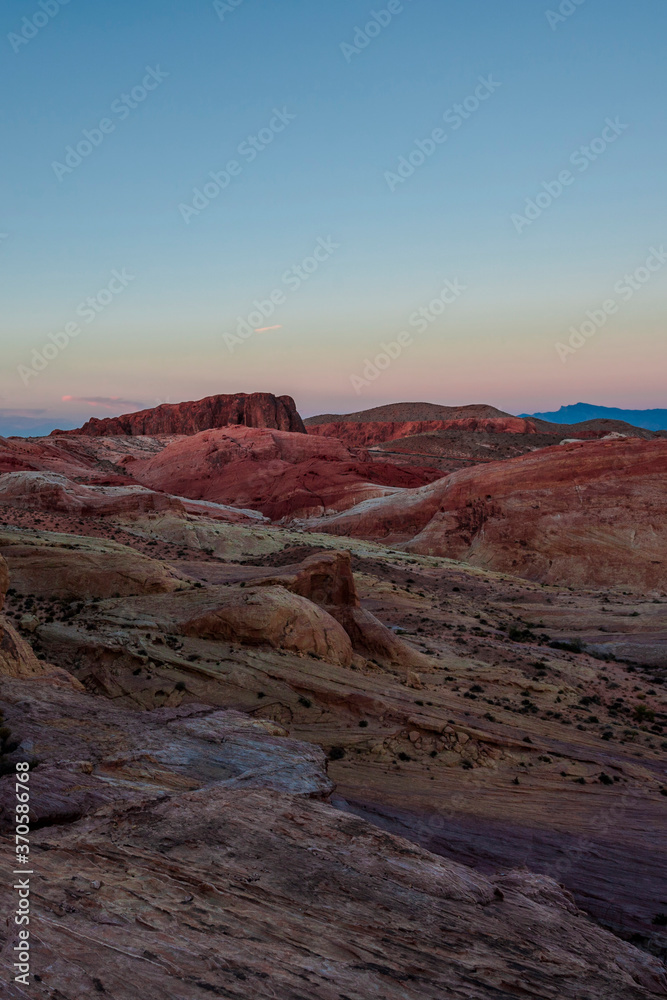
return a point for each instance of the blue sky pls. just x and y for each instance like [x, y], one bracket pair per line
[220, 76]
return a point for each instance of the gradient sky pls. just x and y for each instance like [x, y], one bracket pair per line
[323, 176]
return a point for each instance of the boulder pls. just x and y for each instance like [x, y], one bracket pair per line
[273, 616]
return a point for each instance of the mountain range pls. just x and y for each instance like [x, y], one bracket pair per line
[651, 420]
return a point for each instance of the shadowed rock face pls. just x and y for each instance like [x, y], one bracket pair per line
[188, 853]
[354, 432]
[258, 409]
[17, 658]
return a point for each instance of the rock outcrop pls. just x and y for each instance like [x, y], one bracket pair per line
[365, 435]
[280, 474]
[188, 853]
[326, 579]
[582, 514]
[257, 409]
[72, 567]
[50, 491]
[17, 658]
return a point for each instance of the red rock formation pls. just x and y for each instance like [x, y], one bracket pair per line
[48, 491]
[449, 438]
[583, 514]
[41, 455]
[257, 409]
[362, 434]
[326, 579]
[277, 473]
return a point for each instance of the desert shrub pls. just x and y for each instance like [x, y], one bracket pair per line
[569, 645]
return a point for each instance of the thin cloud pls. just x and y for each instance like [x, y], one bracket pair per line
[262, 329]
[105, 402]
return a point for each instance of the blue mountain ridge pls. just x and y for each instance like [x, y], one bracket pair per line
[576, 413]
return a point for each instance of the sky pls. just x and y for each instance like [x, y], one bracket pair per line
[455, 201]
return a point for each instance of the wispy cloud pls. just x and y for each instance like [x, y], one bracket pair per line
[104, 402]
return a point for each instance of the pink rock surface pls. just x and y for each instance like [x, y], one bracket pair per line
[278, 473]
[592, 513]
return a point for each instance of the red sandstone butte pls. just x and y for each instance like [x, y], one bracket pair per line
[257, 409]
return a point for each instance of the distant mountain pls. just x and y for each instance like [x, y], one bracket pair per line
[651, 420]
[15, 425]
[400, 412]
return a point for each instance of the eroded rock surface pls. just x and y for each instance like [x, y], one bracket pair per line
[162, 867]
[582, 514]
